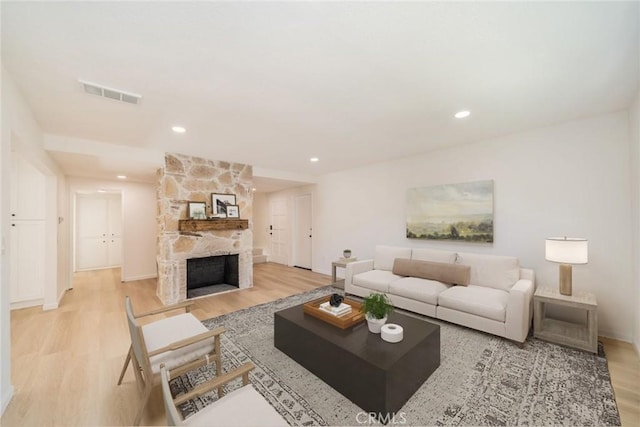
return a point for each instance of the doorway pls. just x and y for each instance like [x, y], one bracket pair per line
[303, 232]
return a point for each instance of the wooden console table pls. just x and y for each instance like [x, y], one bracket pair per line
[583, 337]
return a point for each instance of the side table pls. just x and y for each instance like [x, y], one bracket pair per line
[583, 337]
[342, 263]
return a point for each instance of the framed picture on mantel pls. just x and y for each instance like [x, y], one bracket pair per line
[220, 202]
[197, 210]
[233, 211]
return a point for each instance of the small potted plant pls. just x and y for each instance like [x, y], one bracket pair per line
[347, 253]
[376, 308]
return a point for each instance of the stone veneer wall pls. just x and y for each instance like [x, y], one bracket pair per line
[184, 179]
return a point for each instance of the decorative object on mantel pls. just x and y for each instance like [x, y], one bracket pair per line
[192, 225]
[197, 210]
[219, 203]
[566, 251]
[376, 308]
[347, 253]
[462, 212]
[233, 211]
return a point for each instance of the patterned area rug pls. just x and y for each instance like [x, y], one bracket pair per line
[482, 379]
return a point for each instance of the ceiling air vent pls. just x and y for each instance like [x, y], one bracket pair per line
[108, 92]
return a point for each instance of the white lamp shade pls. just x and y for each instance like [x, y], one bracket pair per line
[567, 250]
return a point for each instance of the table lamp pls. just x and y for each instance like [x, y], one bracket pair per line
[566, 251]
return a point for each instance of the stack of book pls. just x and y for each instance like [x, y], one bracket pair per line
[341, 310]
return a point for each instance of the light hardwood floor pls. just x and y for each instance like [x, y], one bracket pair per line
[66, 362]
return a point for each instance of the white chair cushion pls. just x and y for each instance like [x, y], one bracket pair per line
[433, 255]
[424, 290]
[499, 272]
[172, 329]
[386, 255]
[481, 301]
[242, 407]
[377, 280]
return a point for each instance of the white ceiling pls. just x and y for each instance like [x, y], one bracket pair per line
[273, 84]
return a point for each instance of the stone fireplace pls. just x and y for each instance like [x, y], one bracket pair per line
[187, 179]
[212, 274]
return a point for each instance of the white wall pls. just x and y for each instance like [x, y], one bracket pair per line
[6, 389]
[571, 179]
[21, 132]
[289, 195]
[139, 207]
[260, 220]
[634, 131]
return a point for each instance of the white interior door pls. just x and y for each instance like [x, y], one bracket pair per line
[98, 231]
[278, 231]
[27, 190]
[28, 232]
[27, 260]
[302, 232]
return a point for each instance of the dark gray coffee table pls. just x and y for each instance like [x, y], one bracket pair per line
[376, 375]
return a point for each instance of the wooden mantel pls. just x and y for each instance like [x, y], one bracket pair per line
[212, 224]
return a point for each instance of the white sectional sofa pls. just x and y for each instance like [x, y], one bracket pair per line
[497, 297]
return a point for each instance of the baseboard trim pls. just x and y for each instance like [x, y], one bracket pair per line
[615, 336]
[26, 304]
[6, 398]
[142, 277]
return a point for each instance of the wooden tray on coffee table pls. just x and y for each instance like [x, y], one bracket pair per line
[345, 321]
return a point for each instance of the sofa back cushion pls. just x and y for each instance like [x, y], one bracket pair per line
[491, 271]
[452, 274]
[433, 255]
[385, 255]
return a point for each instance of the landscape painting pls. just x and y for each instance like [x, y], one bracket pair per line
[462, 212]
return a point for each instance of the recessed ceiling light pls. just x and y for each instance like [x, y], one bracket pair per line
[314, 159]
[121, 176]
[102, 191]
[253, 189]
[462, 114]
[178, 129]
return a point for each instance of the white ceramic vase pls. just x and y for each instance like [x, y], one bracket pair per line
[375, 325]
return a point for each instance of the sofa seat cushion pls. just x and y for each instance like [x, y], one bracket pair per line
[423, 290]
[479, 300]
[386, 255]
[499, 272]
[376, 280]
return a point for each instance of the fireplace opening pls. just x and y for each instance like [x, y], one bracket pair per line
[212, 274]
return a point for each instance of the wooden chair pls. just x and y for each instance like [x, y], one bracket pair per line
[242, 407]
[180, 342]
